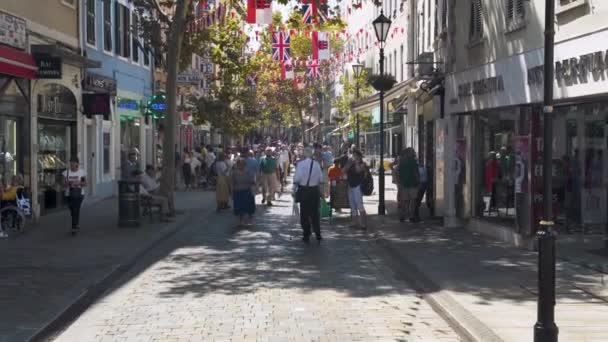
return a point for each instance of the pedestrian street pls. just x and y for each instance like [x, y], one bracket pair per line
[214, 281]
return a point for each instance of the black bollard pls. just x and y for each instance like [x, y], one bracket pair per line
[545, 329]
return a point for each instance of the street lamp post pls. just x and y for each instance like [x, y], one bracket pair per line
[382, 25]
[357, 69]
[545, 329]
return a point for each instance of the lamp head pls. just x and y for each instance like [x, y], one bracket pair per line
[382, 25]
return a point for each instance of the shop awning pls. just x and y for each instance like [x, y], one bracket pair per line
[17, 63]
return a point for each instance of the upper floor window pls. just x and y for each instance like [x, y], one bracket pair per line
[122, 24]
[107, 25]
[566, 5]
[515, 13]
[91, 22]
[146, 53]
[135, 38]
[476, 24]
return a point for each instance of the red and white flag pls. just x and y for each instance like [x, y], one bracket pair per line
[287, 72]
[259, 12]
[320, 46]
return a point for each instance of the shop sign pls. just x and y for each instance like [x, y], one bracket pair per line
[99, 84]
[57, 102]
[96, 104]
[13, 31]
[127, 104]
[481, 87]
[157, 106]
[48, 66]
[189, 78]
[573, 69]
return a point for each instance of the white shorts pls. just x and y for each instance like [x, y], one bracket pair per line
[355, 200]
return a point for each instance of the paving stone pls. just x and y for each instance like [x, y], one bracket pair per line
[215, 282]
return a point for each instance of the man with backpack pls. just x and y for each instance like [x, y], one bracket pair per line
[409, 180]
[357, 176]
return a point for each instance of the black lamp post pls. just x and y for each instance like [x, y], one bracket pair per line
[357, 69]
[545, 329]
[382, 25]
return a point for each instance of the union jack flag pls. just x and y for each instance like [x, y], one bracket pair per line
[281, 46]
[311, 14]
[312, 68]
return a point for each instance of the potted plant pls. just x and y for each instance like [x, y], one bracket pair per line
[382, 82]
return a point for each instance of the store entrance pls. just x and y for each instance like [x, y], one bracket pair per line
[11, 148]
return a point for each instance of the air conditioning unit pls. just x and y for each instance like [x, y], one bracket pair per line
[424, 66]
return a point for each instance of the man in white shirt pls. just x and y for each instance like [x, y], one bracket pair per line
[156, 199]
[307, 179]
[148, 180]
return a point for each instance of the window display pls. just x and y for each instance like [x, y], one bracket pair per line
[55, 141]
[497, 164]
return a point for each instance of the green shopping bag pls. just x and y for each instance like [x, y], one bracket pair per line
[324, 209]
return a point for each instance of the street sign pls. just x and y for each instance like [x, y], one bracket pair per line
[189, 78]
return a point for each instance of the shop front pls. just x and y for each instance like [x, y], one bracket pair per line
[498, 108]
[57, 142]
[98, 95]
[135, 128]
[17, 68]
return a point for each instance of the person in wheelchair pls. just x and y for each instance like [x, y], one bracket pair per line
[11, 192]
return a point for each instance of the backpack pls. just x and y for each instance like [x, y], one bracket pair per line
[367, 186]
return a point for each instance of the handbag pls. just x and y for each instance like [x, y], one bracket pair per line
[298, 196]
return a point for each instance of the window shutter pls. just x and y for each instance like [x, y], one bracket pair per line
[117, 34]
[520, 9]
[476, 19]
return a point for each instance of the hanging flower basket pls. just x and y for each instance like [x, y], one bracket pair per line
[382, 82]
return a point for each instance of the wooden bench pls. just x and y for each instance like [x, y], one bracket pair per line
[148, 207]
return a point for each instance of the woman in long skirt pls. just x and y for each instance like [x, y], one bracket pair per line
[244, 202]
[222, 190]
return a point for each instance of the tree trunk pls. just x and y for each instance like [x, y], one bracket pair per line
[302, 125]
[167, 183]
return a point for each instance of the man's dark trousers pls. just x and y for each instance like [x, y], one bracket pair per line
[309, 210]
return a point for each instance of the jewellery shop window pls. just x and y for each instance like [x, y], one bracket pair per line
[496, 164]
[56, 141]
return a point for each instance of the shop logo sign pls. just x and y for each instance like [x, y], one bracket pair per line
[13, 31]
[48, 67]
[573, 70]
[481, 87]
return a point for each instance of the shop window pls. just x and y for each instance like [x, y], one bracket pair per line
[122, 17]
[91, 22]
[495, 151]
[107, 25]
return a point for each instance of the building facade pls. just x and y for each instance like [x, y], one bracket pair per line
[125, 79]
[494, 96]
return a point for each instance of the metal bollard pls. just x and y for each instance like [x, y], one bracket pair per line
[545, 329]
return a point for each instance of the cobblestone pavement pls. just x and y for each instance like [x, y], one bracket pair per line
[216, 282]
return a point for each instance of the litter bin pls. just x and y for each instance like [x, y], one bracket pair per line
[128, 204]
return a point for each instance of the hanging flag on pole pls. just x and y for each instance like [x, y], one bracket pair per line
[313, 15]
[320, 46]
[259, 12]
[312, 68]
[281, 46]
[287, 70]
